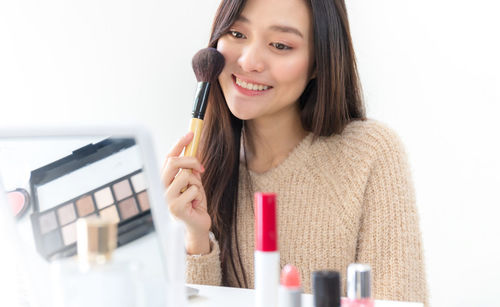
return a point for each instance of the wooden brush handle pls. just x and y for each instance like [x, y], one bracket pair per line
[196, 126]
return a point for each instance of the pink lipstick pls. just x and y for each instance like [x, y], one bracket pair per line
[290, 289]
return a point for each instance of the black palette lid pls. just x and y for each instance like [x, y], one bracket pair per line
[79, 158]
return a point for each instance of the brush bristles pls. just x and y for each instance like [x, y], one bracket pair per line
[208, 64]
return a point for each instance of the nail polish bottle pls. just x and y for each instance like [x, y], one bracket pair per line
[358, 286]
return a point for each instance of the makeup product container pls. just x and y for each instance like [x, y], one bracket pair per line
[103, 179]
[267, 257]
[290, 290]
[358, 286]
[19, 200]
[326, 288]
[93, 278]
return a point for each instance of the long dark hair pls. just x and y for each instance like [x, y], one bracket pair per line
[329, 102]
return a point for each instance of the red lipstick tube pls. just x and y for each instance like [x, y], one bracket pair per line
[267, 257]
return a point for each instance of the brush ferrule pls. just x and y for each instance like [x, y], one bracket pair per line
[201, 100]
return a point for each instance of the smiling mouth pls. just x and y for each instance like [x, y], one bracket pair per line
[251, 86]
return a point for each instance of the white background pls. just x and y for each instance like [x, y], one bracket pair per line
[430, 70]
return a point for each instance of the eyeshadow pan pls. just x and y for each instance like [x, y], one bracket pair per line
[103, 198]
[85, 205]
[139, 182]
[52, 241]
[110, 213]
[128, 208]
[69, 233]
[66, 214]
[47, 222]
[122, 189]
[143, 200]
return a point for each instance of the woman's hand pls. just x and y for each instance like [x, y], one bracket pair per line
[189, 206]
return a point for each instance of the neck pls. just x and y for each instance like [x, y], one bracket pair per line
[272, 138]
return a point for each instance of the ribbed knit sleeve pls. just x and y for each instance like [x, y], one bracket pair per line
[389, 238]
[205, 269]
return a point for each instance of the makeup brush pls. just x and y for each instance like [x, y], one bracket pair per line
[207, 65]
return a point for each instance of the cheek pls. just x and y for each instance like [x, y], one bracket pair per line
[227, 50]
[293, 71]
[222, 47]
[230, 56]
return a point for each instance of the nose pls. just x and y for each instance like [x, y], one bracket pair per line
[251, 59]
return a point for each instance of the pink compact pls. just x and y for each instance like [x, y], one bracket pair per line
[19, 201]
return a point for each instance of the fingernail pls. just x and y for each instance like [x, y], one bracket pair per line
[202, 168]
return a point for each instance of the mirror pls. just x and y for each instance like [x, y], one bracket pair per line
[53, 181]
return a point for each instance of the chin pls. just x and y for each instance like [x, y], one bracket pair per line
[242, 114]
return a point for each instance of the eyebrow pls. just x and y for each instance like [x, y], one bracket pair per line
[278, 28]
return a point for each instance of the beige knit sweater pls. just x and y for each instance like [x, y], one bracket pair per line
[341, 199]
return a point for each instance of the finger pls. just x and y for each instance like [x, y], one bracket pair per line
[197, 174]
[183, 202]
[192, 180]
[179, 146]
[187, 163]
[182, 180]
[174, 164]
[195, 180]
[189, 195]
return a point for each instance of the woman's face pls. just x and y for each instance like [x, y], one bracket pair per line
[269, 58]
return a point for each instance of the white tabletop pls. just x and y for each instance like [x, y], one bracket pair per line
[211, 296]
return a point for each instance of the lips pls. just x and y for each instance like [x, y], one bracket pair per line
[249, 87]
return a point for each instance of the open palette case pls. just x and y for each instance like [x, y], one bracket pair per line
[61, 193]
[53, 177]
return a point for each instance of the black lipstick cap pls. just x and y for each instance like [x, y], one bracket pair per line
[326, 288]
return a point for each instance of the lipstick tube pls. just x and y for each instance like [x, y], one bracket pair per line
[290, 293]
[267, 257]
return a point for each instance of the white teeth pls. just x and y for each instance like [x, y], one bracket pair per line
[251, 86]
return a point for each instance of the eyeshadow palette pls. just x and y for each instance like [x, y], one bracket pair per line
[110, 184]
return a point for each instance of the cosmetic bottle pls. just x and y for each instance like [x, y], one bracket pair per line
[92, 278]
[326, 288]
[290, 290]
[267, 257]
[358, 286]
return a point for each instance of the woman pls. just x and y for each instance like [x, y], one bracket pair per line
[287, 117]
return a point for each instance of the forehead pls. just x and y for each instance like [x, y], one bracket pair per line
[267, 13]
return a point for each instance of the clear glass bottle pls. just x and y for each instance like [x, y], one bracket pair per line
[93, 278]
[358, 286]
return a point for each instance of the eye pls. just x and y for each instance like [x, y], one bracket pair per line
[236, 34]
[281, 46]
